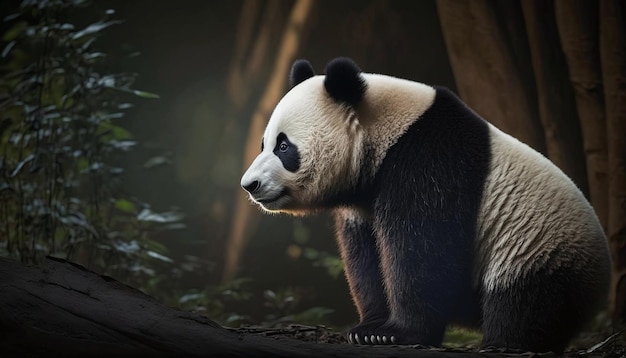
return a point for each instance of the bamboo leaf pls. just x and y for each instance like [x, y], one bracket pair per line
[11, 17]
[93, 28]
[145, 94]
[21, 164]
[156, 161]
[8, 48]
[124, 145]
[166, 217]
[158, 256]
[125, 205]
[15, 31]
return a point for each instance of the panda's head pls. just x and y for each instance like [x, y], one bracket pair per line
[312, 146]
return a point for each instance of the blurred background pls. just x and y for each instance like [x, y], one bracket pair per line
[194, 83]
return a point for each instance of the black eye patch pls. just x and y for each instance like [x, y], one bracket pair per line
[287, 152]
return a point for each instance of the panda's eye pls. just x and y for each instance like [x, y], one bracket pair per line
[287, 152]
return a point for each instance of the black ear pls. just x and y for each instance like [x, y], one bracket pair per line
[300, 71]
[344, 82]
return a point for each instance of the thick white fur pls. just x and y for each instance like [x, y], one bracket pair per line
[331, 137]
[529, 209]
[529, 206]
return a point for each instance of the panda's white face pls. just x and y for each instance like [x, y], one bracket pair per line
[310, 149]
[329, 134]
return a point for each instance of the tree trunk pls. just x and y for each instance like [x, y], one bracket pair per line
[64, 310]
[578, 23]
[256, 27]
[554, 95]
[286, 55]
[486, 68]
[613, 60]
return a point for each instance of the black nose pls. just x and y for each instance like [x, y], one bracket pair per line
[252, 187]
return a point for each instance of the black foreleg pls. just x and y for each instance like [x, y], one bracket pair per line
[360, 257]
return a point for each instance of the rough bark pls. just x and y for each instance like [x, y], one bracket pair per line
[578, 23]
[64, 310]
[613, 61]
[275, 88]
[256, 27]
[555, 97]
[487, 69]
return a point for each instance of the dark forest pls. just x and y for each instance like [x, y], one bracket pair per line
[125, 127]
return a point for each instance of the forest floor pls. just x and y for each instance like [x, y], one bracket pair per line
[612, 347]
[64, 309]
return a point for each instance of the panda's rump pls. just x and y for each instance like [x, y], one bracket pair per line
[532, 218]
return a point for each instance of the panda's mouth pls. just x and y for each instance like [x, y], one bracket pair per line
[283, 193]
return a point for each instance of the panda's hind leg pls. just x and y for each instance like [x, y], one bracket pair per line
[538, 313]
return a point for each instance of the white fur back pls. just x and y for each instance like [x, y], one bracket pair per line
[529, 209]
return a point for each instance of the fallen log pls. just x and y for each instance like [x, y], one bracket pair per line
[63, 309]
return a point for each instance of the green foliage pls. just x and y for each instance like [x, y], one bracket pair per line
[459, 337]
[331, 262]
[282, 307]
[319, 258]
[215, 301]
[61, 133]
[60, 136]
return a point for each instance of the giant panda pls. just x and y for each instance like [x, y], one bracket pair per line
[440, 217]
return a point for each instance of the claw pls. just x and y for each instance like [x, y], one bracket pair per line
[378, 340]
[384, 339]
[356, 338]
[366, 339]
[350, 338]
[373, 339]
[393, 339]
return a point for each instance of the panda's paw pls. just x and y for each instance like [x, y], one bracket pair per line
[363, 333]
[371, 339]
[378, 333]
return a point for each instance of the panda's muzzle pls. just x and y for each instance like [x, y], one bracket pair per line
[264, 181]
[257, 195]
[254, 189]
